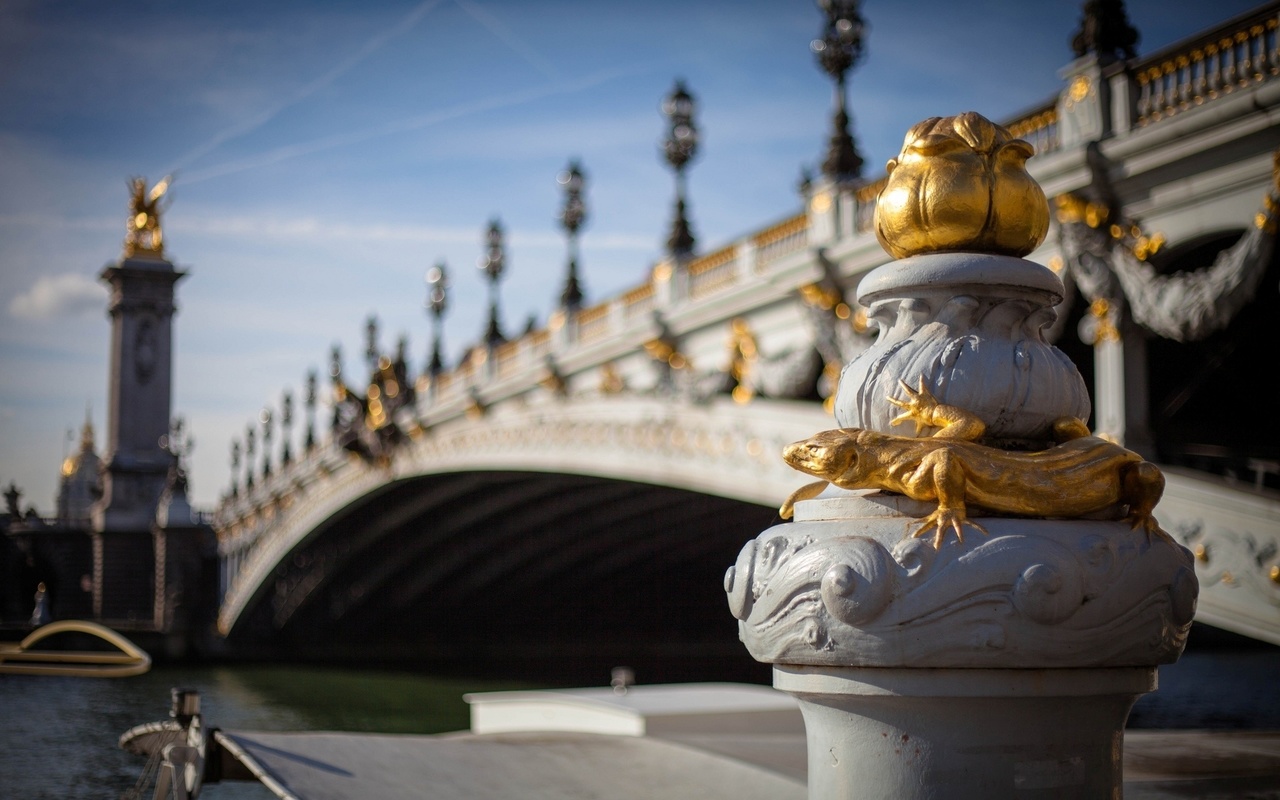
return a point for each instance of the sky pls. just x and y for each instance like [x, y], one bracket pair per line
[326, 154]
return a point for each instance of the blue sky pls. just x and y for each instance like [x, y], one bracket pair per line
[327, 153]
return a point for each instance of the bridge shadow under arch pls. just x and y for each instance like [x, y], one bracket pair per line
[1194, 385]
[538, 574]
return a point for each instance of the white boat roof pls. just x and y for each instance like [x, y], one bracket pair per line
[641, 710]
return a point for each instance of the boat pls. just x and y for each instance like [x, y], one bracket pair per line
[24, 658]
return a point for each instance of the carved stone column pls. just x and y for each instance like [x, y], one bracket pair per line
[972, 606]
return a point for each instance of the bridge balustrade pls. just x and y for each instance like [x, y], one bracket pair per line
[1212, 65]
[711, 273]
[780, 240]
[594, 323]
[638, 302]
[1039, 127]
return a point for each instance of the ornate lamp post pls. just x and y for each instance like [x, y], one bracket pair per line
[437, 303]
[371, 342]
[286, 422]
[572, 215]
[177, 442]
[679, 148]
[838, 50]
[266, 419]
[492, 264]
[311, 411]
[249, 450]
[235, 467]
[335, 365]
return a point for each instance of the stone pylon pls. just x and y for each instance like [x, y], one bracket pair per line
[139, 397]
[971, 600]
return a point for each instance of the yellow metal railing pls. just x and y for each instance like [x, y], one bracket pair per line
[24, 659]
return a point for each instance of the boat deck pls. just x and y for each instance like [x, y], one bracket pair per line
[554, 766]
[1158, 765]
[704, 741]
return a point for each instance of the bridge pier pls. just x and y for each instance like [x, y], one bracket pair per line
[124, 578]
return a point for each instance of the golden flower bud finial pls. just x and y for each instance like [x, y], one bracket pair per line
[961, 183]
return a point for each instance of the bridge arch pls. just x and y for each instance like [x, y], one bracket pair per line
[608, 520]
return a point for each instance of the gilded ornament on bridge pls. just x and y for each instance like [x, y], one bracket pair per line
[961, 184]
[143, 235]
[742, 356]
[1128, 234]
[1080, 475]
[610, 381]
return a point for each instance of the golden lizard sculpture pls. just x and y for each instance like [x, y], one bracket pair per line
[1080, 475]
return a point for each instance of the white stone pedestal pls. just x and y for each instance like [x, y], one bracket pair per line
[1002, 662]
[964, 734]
[1003, 666]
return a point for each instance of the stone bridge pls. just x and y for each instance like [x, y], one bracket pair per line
[631, 447]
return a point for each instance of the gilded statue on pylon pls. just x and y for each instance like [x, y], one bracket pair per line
[143, 234]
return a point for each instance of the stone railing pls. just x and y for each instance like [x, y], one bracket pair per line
[1039, 127]
[1241, 52]
[593, 323]
[488, 375]
[779, 240]
[865, 207]
[506, 360]
[713, 272]
[638, 302]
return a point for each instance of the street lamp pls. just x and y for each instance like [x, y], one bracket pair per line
[437, 303]
[235, 467]
[492, 264]
[266, 419]
[311, 411]
[286, 423]
[371, 353]
[572, 215]
[249, 451]
[839, 49]
[679, 148]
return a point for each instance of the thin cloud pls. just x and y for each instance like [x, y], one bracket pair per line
[66, 295]
[520, 47]
[311, 229]
[62, 223]
[409, 124]
[346, 65]
[303, 228]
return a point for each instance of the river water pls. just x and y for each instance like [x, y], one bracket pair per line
[58, 736]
